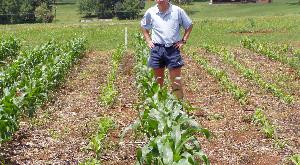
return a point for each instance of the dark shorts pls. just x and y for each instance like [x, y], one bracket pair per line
[161, 56]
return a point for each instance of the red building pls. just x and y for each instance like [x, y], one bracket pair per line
[240, 1]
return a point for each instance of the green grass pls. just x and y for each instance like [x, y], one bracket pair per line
[230, 31]
[67, 12]
[223, 24]
[277, 8]
[99, 37]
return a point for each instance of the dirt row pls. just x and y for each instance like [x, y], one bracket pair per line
[216, 106]
[61, 130]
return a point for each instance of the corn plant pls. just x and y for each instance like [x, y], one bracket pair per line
[169, 130]
[109, 92]
[272, 52]
[27, 81]
[249, 73]
[237, 92]
[96, 142]
[91, 161]
[295, 159]
[9, 48]
[262, 120]
[267, 127]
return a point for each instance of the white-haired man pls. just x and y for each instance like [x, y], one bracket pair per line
[164, 20]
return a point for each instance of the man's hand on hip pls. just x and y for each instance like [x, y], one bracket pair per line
[150, 44]
[179, 44]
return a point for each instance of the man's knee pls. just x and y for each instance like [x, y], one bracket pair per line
[177, 88]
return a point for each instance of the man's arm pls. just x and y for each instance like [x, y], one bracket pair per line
[147, 37]
[185, 37]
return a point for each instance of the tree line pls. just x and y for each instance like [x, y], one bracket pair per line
[25, 11]
[122, 9]
[38, 11]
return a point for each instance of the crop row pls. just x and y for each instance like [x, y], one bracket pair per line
[107, 97]
[273, 52]
[258, 117]
[96, 141]
[109, 91]
[221, 75]
[9, 48]
[26, 82]
[248, 73]
[168, 128]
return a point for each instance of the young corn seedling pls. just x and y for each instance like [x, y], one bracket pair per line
[109, 92]
[295, 159]
[262, 120]
[237, 92]
[170, 131]
[96, 142]
[272, 52]
[267, 128]
[249, 73]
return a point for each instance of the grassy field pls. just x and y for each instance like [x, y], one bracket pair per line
[247, 95]
[224, 24]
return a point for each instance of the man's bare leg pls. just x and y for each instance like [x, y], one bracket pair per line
[175, 78]
[159, 74]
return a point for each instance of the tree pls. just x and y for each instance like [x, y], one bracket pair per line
[10, 11]
[123, 9]
[27, 11]
[21, 11]
[87, 7]
[105, 8]
[43, 14]
[128, 9]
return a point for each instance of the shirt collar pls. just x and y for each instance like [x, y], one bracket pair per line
[168, 11]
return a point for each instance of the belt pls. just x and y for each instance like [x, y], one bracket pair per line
[163, 45]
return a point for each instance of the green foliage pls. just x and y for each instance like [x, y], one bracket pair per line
[261, 119]
[9, 48]
[267, 127]
[87, 7]
[122, 9]
[171, 132]
[27, 11]
[249, 73]
[237, 92]
[182, 2]
[109, 91]
[128, 9]
[27, 81]
[22, 11]
[95, 144]
[273, 52]
[10, 11]
[43, 14]
[295, 159]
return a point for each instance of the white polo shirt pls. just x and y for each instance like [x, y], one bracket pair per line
[165, 26]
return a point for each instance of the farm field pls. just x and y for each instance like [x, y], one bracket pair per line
[241, 78]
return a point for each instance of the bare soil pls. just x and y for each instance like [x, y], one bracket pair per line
[282, 115]
[61, 129]
[236, 140]
[60, 132]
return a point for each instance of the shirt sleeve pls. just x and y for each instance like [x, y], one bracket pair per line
[185, 20]
[146, 21]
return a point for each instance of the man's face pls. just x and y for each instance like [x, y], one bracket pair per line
[162, 1]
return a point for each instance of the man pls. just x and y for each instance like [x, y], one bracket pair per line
[164, 20]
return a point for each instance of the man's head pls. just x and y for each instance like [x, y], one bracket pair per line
[161, 2]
